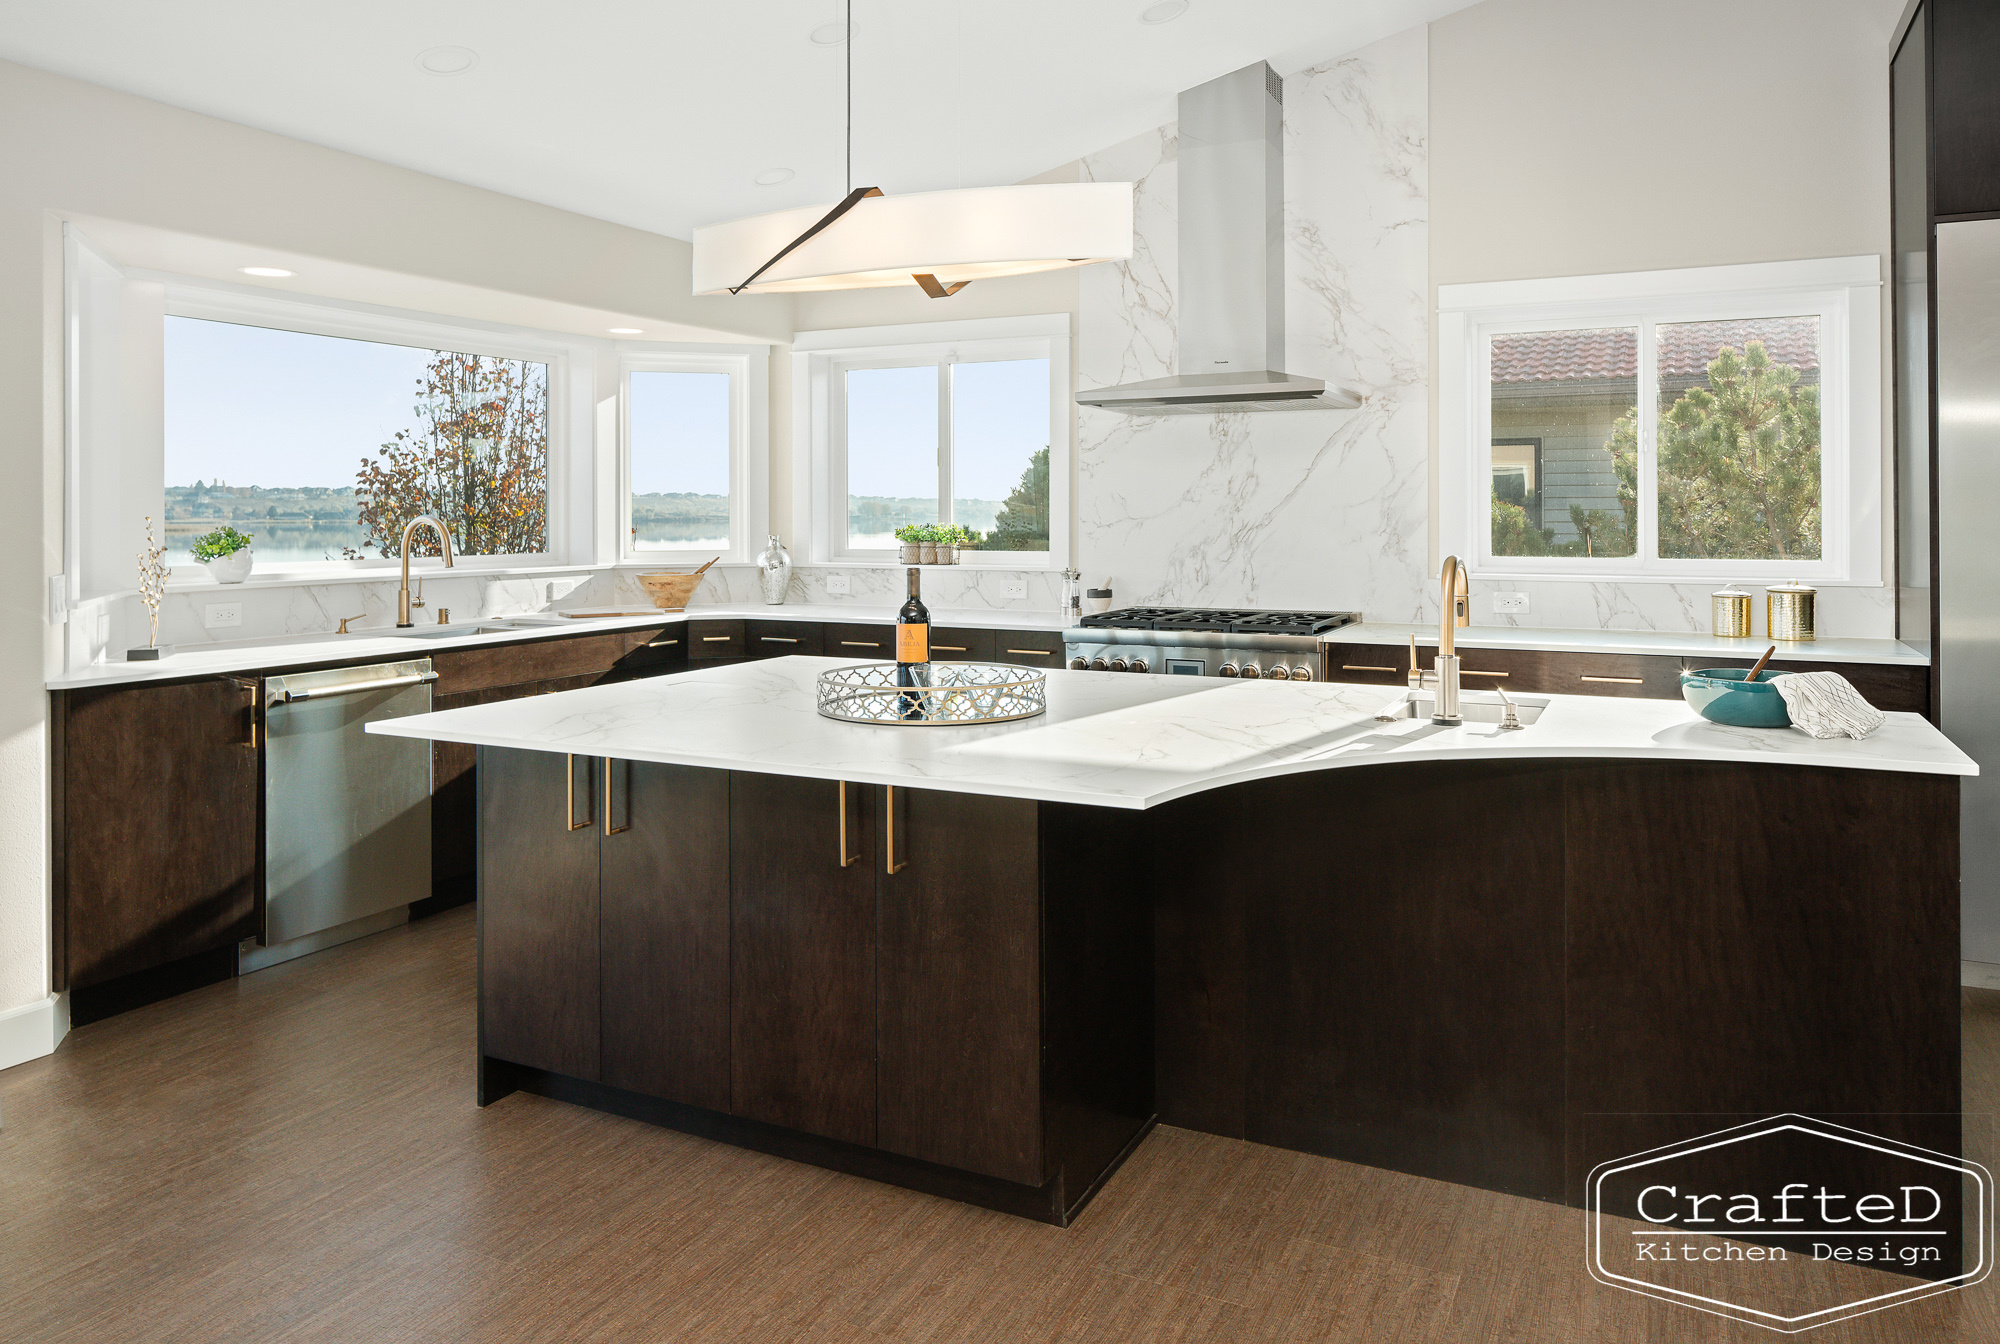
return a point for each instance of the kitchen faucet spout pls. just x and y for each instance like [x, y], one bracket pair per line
[1454, 610]
[403, 621]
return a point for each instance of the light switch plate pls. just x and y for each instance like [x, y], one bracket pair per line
[561, 588]
[837, 586]
[221, 615]
[1510, 604]
[1015, 590]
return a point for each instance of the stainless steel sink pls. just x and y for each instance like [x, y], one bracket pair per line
[1472, 708]
[456, 631]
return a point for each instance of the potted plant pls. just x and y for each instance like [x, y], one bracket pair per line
[225, 553]
[947, 543]
[907, 534]
[927, 537]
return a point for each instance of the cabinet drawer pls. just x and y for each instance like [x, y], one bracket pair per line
[775, 639]
[959, 644]
[668, 645]
[1028, 648]
[1367, 664]
[462, 670]
[860, 641]
[714, 639]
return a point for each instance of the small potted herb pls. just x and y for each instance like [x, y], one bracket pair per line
[225, 553]
[907, 534]
[947, 543]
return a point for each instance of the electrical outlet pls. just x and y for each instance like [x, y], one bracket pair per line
[1510, 604]
[837, 585]
[221, 615]
[561, 588]
[1015, 590]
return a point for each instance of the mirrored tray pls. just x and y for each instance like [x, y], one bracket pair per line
[958, 693]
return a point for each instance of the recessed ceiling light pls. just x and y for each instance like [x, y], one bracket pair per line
[832, 34]
[1164, 12]
[627, 331]
[772, 177]
[269, 272]
[447, 60]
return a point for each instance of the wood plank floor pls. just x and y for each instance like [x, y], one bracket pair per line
[296, 1156]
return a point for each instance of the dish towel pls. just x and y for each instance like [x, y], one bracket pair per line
[1825, 704]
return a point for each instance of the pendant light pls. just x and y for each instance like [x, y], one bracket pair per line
[939, 241]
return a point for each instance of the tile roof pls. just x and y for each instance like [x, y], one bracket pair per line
[1613, 352]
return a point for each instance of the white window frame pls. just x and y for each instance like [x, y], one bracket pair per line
[821, 361]
[1843, 292]
[571, 373]
[748, 367]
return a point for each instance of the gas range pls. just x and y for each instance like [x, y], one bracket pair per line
[1203, 641]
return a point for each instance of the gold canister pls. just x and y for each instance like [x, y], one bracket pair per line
[1788, 612]
[1730, 613]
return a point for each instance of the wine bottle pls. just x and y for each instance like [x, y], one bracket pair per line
[913, 648]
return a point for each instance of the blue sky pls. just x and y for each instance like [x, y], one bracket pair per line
[680, 433]
[1000, 416]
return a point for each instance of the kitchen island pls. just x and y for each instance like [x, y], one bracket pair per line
[981, 961]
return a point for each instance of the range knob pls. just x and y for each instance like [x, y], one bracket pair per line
[1302, 673]
[1227, 670]
[1250, 671]
[1138, 665]
[1078, 664]
[1098, 665]
[1279, 673]
[1118, 664]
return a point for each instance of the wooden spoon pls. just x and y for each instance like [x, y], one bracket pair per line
[704, 570]
[1753, 671]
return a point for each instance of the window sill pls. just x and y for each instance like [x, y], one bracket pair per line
[1777, 572]
[184, 580]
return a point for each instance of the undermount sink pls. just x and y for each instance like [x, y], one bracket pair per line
[458, 631]
[1471, 708]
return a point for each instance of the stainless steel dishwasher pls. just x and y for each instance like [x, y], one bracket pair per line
[347, 814]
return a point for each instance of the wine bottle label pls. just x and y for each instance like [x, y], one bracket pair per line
[913, 643]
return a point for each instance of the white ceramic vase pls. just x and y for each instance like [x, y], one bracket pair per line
[232, 568]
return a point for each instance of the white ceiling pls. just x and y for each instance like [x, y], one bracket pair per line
[659, 113]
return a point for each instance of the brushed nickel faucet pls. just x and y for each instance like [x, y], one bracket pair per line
[1454, 610]
[403, 621]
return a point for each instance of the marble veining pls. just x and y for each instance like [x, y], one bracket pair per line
[1307, 509]
[1119, 740]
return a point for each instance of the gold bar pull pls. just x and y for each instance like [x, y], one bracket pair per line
[1363, 667]
[893, 866]
[1469, 672]
[569, 779]
[1616, 681]
[849, 854]
[609, 829]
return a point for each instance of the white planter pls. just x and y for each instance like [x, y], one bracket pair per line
[912, 553]
[231, 568]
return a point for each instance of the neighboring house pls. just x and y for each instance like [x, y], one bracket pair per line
[1558, 394]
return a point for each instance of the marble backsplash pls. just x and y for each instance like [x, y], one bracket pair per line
[107, 629]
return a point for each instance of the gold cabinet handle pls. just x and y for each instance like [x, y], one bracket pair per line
[256, 689]
[663, 643]
[849, 855]
[569, 779]
[1616, 681]
[1033, 653]
[1469, 672]
[609, 829]
[1364, 667]
[778, 639]
[948, 648]
[893, 866]
[716, 639]
[859, 644]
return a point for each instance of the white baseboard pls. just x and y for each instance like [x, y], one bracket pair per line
[33, 1030]
[1979, 974]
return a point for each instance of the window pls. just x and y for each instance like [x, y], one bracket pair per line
[1673, 426]
[322, 448]
[962, 423]
[690, 417]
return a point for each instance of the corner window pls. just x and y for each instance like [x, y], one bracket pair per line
[1675, 426]
[972, 432]
[323, 447]
[689, 420]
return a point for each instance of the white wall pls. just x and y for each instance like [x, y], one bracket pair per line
[1580, 137]
[72, 150]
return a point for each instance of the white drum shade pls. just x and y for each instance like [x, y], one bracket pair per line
[975, 233]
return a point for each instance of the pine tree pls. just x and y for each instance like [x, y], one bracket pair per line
[1023, 521]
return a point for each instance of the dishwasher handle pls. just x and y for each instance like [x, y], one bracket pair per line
[352, 688]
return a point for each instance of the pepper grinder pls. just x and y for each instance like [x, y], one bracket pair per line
[1072, 595]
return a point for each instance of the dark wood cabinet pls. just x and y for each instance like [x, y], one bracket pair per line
[1964, 42]
[713, 641]
[775, 639]
[1888, 686]
[802, 954]
[663, 872]
[860, 641]
[538, 917]
[1028, 648]
[156, 811]
[963, 644]
[958, 978]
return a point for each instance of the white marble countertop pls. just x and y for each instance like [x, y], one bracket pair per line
[199, 660]
[1118, 740]
[1665, 643]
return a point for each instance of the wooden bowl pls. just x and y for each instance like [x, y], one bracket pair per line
[670, 592]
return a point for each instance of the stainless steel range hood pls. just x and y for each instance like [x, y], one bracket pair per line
[1232, 262]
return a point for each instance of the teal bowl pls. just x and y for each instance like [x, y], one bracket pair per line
[1720, 695]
